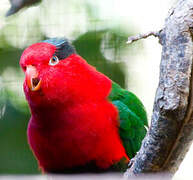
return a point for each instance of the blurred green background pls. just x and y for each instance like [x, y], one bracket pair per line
[101, 41]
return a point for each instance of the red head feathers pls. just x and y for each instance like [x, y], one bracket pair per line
[54, 72]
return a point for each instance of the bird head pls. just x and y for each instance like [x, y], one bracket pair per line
[56, 74]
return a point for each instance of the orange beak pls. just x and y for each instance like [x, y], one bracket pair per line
[32, 79]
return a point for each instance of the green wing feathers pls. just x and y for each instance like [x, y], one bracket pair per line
[133, 118]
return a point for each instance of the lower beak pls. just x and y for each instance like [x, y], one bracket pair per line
[32, 78]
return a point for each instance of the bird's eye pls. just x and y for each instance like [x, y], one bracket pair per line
[53, 61]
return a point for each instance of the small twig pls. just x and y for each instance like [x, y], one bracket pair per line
[143, 36]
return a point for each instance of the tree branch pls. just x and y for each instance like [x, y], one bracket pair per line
[171, 130]
[132, 39]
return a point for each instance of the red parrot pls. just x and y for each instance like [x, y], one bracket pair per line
[80, 119]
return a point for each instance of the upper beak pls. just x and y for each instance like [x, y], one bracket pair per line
[32, 78]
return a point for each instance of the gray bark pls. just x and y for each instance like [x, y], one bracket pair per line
[171, 130]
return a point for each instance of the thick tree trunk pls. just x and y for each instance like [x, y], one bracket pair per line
[171, 130]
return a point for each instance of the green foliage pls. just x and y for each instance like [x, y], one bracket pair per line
[15, 155]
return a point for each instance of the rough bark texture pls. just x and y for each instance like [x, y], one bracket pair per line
[171, 130]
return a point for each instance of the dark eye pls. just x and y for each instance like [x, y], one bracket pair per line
[53, 61]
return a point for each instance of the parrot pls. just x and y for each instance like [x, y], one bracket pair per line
[81, 121]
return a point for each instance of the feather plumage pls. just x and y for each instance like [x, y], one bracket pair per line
[132, 117]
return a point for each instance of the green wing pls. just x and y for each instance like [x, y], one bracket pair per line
[133, 118]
